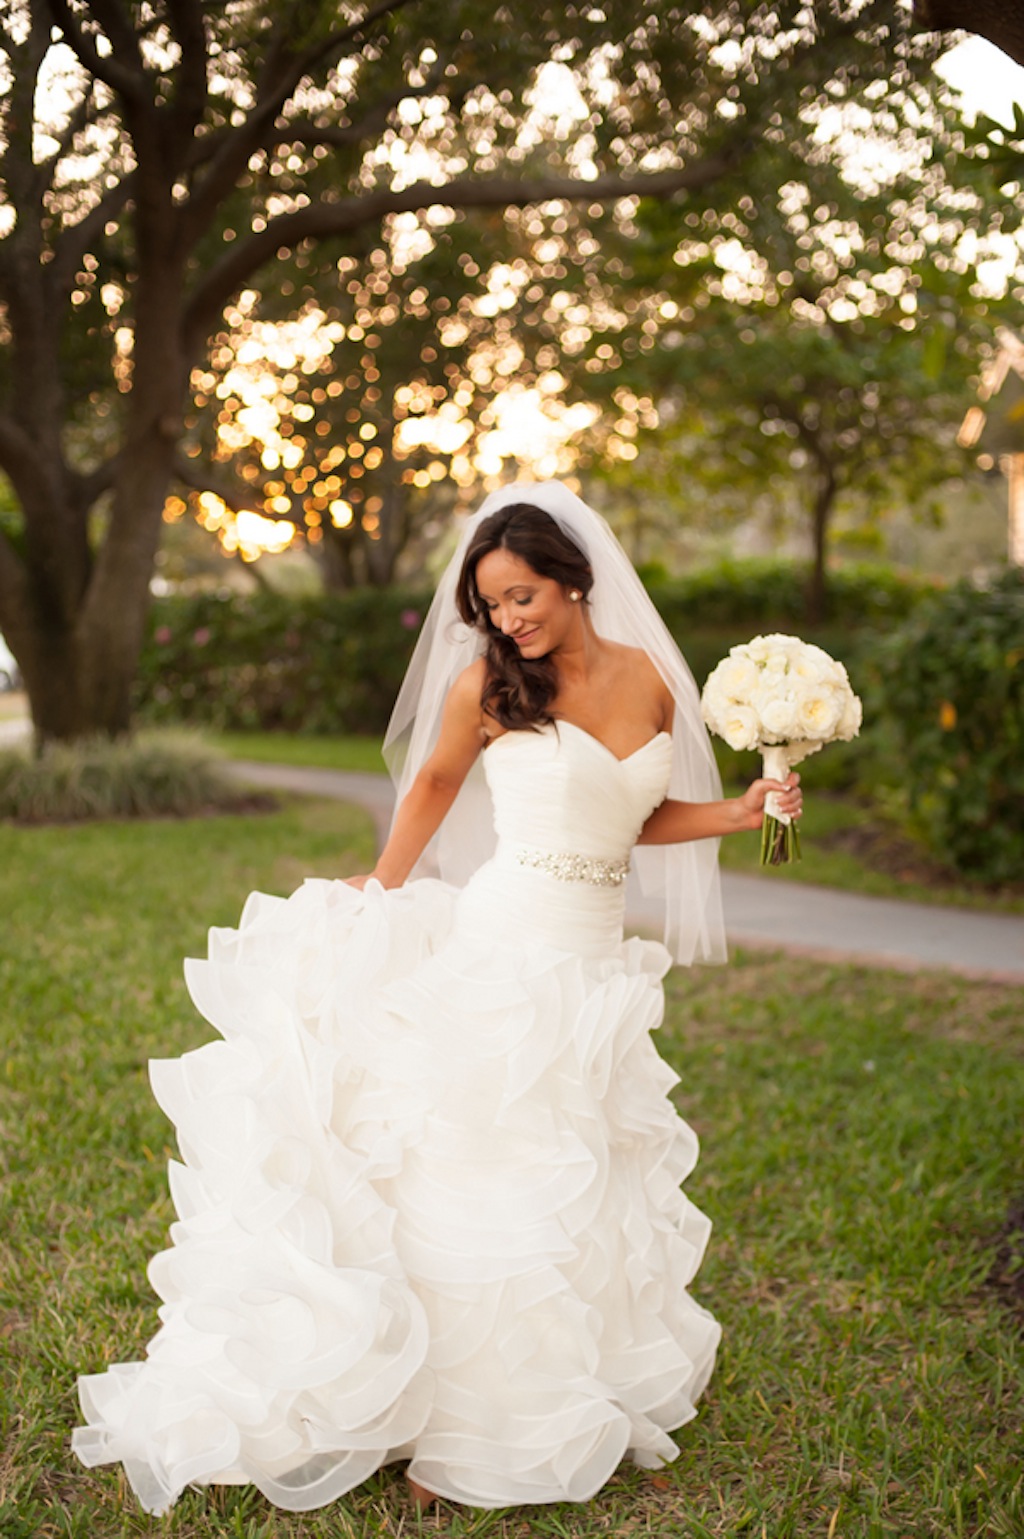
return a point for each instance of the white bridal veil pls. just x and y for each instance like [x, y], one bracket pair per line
[683, 877]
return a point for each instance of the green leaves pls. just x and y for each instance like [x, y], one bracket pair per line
[954, 688]
[329, 664]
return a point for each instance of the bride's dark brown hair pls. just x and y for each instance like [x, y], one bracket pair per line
[518, 690]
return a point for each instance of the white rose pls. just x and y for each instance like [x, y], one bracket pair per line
[777, 642]
[818, 714]
[772, 686]
[713, 699]
[739, 727]
[737, 677]
[779, 718]
[816, 670]
[777, 662]
[850, 720]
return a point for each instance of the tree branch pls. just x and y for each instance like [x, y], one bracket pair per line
[189, 30]
[131, 87]
[197, 478]
[73, 242]
[93, 483]
[321, 220]
[281, 76]
[122, 37]
[336, 40]
[19, 456]
[1000, 22]
[21, 177]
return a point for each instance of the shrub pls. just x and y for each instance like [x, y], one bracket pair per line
[331, 663]
[152, 775]
[334, 662]
[952, 681]
[771, 594]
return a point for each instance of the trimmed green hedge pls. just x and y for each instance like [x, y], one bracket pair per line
[767, 594]
[333, 663]
[323, 664]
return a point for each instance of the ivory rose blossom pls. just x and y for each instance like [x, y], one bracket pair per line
[849, 722]
[740, 727]
[779, 717]
[787, 698]
[818, 715]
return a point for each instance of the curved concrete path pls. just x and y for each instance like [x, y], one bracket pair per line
[762, 912]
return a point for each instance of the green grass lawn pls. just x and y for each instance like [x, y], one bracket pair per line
[348, 752]
[861, 1148]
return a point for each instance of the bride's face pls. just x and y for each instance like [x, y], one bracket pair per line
[534, 611]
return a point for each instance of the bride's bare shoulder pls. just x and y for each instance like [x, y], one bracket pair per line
[465, 702]
[635, 666]
[634, 660]
[627, 655]
[470, 681]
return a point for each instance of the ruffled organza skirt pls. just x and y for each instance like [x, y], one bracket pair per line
[428, 1208]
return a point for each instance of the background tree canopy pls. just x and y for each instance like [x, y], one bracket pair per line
[163, 159]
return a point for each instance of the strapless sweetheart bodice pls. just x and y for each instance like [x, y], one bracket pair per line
[567, 813]
[561, 789]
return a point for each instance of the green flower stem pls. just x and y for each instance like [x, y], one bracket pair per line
[780, 842]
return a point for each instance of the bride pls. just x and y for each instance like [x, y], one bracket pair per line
[429, 1201]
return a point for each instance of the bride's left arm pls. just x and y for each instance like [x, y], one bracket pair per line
[678, 822]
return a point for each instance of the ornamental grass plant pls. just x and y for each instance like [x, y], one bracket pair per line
[156, 774]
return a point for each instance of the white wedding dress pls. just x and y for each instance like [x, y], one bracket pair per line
[429, 1203]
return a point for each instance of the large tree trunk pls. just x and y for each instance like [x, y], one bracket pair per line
[336, 553]
[79, 663]
[77, 623]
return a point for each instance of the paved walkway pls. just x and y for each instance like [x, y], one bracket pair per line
[762, 911]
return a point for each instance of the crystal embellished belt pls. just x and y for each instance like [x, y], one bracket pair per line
[576, 868]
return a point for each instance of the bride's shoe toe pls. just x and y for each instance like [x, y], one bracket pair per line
[423, 1498]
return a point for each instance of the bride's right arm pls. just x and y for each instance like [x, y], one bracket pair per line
[437, 784]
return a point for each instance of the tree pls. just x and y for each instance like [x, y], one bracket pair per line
[823, 330]
[842, 331]
[1000, 21]
[374, 393]
[158, 157]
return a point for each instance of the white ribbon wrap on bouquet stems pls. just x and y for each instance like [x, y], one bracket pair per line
[778, 759]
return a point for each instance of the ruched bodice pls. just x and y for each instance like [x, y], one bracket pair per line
[561, 792]
[561, 789]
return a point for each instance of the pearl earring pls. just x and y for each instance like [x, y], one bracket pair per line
[575, 596]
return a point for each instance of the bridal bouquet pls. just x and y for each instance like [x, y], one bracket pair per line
[787, 698]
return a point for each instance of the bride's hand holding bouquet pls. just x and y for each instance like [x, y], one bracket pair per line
[787, 698]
